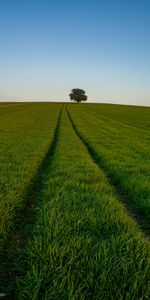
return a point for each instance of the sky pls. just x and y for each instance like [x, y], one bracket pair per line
[48, 47]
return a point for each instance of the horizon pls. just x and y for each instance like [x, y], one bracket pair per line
[49, 48]
[73, 102]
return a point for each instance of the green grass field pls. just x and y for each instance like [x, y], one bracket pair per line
[75, 201]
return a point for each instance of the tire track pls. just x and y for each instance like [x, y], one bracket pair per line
[120, 194]
[25, 217]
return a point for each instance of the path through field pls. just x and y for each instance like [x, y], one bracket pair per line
[71, 227]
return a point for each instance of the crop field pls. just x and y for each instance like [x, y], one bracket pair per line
[75, 201]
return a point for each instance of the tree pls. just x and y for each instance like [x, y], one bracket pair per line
[77, 95]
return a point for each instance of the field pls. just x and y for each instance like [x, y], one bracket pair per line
[75, 201]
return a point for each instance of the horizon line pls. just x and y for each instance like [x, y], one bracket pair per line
[67, 101]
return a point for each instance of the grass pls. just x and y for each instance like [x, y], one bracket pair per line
[83, 244]
[26, 132]
[118, 138]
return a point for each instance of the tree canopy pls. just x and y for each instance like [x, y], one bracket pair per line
[77, 95]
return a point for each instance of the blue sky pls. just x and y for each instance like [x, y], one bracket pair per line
[49, 47]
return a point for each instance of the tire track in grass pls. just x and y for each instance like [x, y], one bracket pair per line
[25, 216]
[84, 245]
[119, 193]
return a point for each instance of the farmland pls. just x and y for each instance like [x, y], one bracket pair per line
[75, 201]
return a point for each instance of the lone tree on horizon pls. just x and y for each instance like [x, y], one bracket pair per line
[77, 95]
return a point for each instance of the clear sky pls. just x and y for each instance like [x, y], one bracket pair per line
[48, 47]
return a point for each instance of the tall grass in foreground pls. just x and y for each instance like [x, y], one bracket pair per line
[119, 138]
[83, 245]
[26, 132]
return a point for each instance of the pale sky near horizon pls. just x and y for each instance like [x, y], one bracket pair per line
[49, 47]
